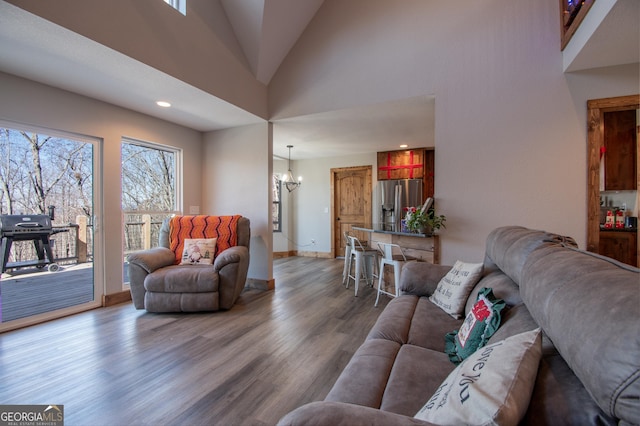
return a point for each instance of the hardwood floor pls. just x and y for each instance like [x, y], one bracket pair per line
[272, 352]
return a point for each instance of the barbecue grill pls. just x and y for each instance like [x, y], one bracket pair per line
[36, 228]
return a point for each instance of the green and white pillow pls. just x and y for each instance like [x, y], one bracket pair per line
[492, 386]
[454, 288]
[481, 322]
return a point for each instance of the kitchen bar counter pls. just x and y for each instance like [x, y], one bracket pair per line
[390, 229]
[424, 247]
[603, 229]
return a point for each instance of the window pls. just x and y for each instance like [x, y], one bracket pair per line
[276, 208]
[150, 175]
[179, 5]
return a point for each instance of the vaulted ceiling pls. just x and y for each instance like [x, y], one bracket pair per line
[268, 29]
[262, 34]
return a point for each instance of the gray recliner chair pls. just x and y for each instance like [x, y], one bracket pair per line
[160, 283]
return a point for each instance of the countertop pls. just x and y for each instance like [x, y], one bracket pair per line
[603, 229]
[383, 228]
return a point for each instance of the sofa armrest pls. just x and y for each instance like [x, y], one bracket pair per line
[232, 266]
[228, 256]
[141, 264]
[421, 278]
[152, 259]
[343, 414]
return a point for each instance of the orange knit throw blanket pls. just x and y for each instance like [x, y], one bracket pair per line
[224, 228]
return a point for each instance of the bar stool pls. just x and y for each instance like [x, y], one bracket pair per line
[366, 261]
[347, 258]
[394, 260]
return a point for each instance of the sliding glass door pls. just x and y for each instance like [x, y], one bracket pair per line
[48, 210]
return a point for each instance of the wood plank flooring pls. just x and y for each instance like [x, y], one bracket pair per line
[272, 352]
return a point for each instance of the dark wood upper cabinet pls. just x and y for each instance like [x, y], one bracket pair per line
[409, 164]
[596, 109]
[620, 150]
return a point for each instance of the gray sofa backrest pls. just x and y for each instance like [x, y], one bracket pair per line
[589, 306]
[508, 247]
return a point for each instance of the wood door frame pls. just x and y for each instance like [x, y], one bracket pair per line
[369, 186]
[595, 141]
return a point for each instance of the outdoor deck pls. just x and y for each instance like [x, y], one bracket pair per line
[31, 291]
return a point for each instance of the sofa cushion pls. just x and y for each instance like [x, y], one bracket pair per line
[198, 251]
[559, 398]
[364, 379]
[593, 320]
[183, 279]
[493, 386]
[454, 288]
[477, 328]
[416, 372]
[414, 320]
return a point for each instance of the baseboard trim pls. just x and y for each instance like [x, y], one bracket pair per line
[116, 298]
[283, 254]
[261, 284]
[315, 254]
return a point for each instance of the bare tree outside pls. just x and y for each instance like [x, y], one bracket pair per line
[148, 179]
[148, 190]
[38, 171]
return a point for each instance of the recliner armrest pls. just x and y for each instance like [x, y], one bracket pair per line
[152, 259]
[230, 255]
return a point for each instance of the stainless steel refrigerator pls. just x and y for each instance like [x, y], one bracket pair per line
[395, 196]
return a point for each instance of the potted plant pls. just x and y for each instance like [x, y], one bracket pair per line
[424, 222]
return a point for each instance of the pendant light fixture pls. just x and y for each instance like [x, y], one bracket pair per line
[289, 182]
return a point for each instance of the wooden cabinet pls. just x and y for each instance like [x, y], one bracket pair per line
[406, 164]
[620, 150]
[409, 164]
[621, 246]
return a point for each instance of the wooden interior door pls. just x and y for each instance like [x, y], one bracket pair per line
[351, 198]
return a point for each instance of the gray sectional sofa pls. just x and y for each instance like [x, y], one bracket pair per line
[587, 306]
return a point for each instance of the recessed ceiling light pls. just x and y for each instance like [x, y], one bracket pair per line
[163, 104]
[404, 145]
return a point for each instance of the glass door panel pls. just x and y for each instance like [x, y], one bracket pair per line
[47, 210]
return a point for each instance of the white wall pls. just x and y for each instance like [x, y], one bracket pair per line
[510, 127]
[312, 201]
[237, 180]
[31, 103]
[188, 47]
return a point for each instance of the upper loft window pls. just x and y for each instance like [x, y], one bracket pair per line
[179, 5]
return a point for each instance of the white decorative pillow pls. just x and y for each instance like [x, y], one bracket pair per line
[198, 251]
[454, 288]
[492, 386]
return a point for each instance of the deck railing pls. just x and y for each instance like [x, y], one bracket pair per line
[141, 230]
[70, 243]
[73, 242]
